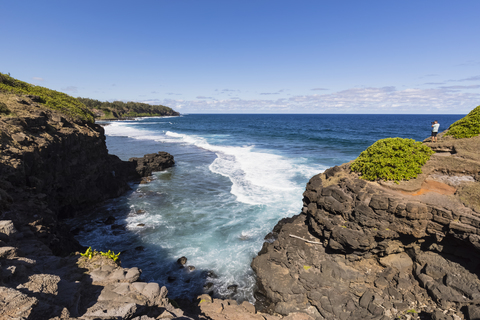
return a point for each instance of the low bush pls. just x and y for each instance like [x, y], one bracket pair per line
[467, 127]
[392, 159]
[92, 253]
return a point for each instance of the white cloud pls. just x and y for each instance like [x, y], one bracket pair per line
[475, 86]
[475, 78]
[38, 79]
[354, 100]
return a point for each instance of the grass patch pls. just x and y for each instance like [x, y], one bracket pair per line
[52, 99]
[392, 159]
[467, 127]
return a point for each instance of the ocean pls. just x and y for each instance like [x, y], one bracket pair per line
[235, 176]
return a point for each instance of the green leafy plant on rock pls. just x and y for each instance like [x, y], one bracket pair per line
[467, 127]
[110, 254]
[392, 159]
[92, 253]
[89, 253]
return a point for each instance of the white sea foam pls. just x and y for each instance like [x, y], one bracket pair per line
[257, 177]
[162, 117]
[213, 231]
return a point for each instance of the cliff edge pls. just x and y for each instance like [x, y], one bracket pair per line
[381, 250]
[55, 165]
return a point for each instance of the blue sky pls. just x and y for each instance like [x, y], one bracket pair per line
[261, 56]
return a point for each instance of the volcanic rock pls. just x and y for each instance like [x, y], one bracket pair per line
[380, 250]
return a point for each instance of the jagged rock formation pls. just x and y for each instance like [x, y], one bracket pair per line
[369, 250]
[53, 166]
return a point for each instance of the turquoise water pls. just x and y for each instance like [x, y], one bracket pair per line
[235, 177]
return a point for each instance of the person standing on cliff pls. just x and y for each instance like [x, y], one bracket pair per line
[435, 126]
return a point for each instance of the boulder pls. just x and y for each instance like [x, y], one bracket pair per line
[152, 162]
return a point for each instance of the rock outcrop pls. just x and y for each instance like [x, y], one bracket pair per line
[370, 250]
[34, 284]
[53, 166]
[150, 163]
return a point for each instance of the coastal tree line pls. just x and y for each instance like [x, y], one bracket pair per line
[120, 109]
[82, 108]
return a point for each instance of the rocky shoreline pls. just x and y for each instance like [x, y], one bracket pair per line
[358, 249]
[53, 167]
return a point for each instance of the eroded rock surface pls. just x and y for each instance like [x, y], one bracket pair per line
[364, 250]
[35, 284]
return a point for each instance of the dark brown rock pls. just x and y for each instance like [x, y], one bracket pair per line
[182, 261]
[152, 162]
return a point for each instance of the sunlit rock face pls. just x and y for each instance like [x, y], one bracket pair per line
[369, 250]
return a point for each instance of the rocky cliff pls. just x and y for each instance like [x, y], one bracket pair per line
[381, 250]
[54, 166]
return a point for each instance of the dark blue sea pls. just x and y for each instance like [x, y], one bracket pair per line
[235, 177]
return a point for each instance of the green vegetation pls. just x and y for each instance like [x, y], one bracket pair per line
[120, 109]
[92, 253]
[80, 108]
[392, 159]
[89, 253]
[467, 127]
[52, 99]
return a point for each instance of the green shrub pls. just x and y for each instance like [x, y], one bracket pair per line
[92, 253]
[50, 98]
[392, 159]
[467, 127]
